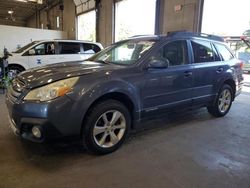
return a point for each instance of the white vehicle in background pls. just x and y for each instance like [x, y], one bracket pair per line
[39, 53]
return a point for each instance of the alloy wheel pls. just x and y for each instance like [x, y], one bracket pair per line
[224, 100]
[109, 129]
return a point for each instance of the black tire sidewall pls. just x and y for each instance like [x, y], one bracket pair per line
[17, 69]
[94, 115]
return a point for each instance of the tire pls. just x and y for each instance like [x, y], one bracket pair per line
[100, 134]
[14, 70]
[223, 102]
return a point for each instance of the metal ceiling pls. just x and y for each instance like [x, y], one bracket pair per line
[84, 5]
[21, 10]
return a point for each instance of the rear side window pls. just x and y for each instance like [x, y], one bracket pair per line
[90, 48]
[224, 52]
[69, 48]
[204, 52]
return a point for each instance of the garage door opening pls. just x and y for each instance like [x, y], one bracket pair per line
[87, 26]
[130, 21]
[226, 17]
[229, 19]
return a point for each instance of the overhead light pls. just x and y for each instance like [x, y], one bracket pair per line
[24, 1]
[10, 11]
[31, 1]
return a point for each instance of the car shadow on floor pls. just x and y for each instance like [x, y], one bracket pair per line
[174, 119]
[51, 156]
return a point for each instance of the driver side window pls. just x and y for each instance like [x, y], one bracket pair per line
[44, 49]
[40, 49]
[175, 52]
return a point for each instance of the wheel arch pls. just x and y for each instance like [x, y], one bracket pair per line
[232, 84]
[116, 95]
[16, 65]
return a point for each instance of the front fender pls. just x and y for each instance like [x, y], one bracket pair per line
[24, 65]
[88, 94]
[119, 86]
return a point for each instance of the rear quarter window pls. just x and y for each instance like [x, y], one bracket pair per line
[224, 52]
[90, 48]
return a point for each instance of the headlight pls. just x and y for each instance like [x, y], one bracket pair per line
[51, 91]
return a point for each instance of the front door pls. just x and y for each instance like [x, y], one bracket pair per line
[168, 88]
[43, 54]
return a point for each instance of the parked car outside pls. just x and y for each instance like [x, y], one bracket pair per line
[246, 66]
[45, 52]
[100, 100]
[243, 53]
[247, 33]
[241, 48]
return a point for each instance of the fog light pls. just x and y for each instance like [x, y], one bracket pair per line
[36, 132]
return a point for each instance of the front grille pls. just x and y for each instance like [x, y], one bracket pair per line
[15, 90]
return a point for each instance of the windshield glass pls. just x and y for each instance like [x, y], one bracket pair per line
[125, 53]
[26, 47]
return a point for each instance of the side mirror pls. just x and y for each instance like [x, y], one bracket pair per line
[32, 52]
[158, 64]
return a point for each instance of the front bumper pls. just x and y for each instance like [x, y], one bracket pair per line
[55, 119]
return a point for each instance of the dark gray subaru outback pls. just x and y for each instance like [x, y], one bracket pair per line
[100, 100]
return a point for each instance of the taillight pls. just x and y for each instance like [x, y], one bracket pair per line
[241, 65]
[243, 37]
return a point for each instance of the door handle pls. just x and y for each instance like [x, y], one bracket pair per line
[188, 73]
[219, 70]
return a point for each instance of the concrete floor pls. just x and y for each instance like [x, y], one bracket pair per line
[190, 150]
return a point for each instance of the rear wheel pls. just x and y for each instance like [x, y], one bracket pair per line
[223, 102]
[106, 127]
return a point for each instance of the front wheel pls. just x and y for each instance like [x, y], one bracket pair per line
[106, 127]
[14, 71]
[223, 102]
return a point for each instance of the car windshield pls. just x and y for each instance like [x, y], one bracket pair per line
[26, 47]
[124, 53]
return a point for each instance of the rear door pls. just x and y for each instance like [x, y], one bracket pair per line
[69, 51]
[207, 71]
[231, 63]
[168, 88]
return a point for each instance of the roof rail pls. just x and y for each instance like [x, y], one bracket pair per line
[149, 35]
[194, 34]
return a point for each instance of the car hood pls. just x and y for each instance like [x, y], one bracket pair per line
[41, 76]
